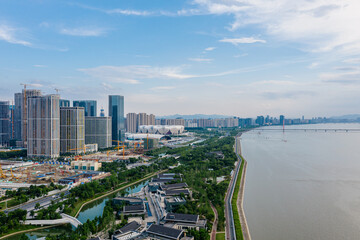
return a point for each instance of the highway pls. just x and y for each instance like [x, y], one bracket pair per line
[230, 226]
[28, 206]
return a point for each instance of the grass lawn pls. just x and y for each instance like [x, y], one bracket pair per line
[220, 236]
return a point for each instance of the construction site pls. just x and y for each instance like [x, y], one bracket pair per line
[33, 173]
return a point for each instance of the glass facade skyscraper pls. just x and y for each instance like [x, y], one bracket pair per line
[116, 111]
[90, 107]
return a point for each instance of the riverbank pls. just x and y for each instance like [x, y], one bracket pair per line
[239, 203]
[241, 226]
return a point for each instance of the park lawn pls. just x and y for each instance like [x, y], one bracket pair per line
[220, 236]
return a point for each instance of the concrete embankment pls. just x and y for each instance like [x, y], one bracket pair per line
[240, 198]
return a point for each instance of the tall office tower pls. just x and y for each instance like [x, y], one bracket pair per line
[11, 126]
[4, 124]
[17, 117]
[131, 122]
[72, 130]
[64, 103]
[151, 119]
[116, 111]
[43, 126]
[20, 114]
[98, 130]
[142, 119]
[282, 120]
[90, 107]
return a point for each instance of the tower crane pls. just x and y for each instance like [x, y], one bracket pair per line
[118, 147]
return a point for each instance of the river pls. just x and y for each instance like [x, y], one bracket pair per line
[303, 185]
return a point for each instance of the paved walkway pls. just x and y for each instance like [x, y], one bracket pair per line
[65, 219]
[214, 227]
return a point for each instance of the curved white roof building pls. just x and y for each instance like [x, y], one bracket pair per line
[161, 129]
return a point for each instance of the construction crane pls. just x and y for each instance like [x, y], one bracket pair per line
[2, 175]
[118, 147]
[12, 174]
[57, 90]
[78, 157]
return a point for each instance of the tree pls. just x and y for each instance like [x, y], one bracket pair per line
[24, 237]
[37, 205]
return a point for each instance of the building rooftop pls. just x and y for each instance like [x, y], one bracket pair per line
[174, 186]
[129, 199]
[180, 217]
[132, 226]
[134, 208]
[166, 232]
[176, 192]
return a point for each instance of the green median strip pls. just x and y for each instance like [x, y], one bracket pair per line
[238, 231]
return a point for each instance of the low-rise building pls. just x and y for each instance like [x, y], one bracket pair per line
[128, 231]
[86, 165]
[184, 221]
[137, 209]
[161, 232]
[127, 200]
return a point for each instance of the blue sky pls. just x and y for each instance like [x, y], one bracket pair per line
[233, 57]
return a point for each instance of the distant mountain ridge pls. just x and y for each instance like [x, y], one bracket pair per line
[194, 116]
[347, 116]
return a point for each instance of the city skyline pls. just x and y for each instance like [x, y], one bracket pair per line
[187, 57]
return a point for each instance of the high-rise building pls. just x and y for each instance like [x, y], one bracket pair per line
[260, 120]
[43, 120]
[116, 111]
[98, 130]
[142, 119]
[282, 119]
[72, 130]
[64, 103]
[151, 119]
[131, 122]
[4, 124]
[20, 114]
[90, 107]
[17, 117]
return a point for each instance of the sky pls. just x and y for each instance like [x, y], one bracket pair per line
[232, 57]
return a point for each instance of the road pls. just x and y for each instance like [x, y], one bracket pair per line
[45, 201]
[230, 226]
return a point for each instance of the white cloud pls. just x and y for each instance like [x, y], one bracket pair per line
[129, 12]
[8, 34]
[83, 31]
[162, 88]
[39, 66]
[132, 73]
[237, 41]
[201, 59]
[210, 49]
[313, 65]
[318, 24]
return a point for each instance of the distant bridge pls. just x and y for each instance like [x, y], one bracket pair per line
[309, 129]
